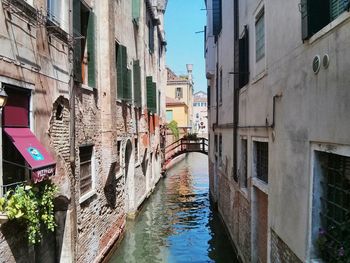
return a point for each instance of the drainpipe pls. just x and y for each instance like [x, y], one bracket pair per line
[74, 221]
[236, 85]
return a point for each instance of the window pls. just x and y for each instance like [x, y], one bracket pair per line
[86, 169]
[150, 36]
[57, 12]
[123, 75]
[331, 205]
[261, 159]
[316, 14]
[197, 115]
[84, 47]
[136, 11]
[243, 62]
[178, 93]
[244, 163]
[217, 17]
[169, 115]
[260, 36]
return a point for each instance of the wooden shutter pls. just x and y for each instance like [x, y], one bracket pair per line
[128, 86]
[119, 76]
[124, 72]
[217, 17]
[77, 43]
[244, 58]
[154, 94]
[137, 83]
[91, 50]
[135, 10]
[304, 19]
[149, 87]
[337, 7]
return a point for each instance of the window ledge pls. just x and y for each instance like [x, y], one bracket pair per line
[259, 76]
[87, 196]
[137, 164]
[244, 192]
[260, 185]
[83, 86]
[332, 25]
[120, 174]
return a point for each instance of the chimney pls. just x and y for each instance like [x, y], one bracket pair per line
[189, 71]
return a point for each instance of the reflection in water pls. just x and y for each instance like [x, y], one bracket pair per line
[177, 223]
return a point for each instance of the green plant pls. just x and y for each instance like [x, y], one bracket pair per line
[33, 206]
[191, 136]
[172, 126]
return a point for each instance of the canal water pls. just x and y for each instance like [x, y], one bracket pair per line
[177, 224]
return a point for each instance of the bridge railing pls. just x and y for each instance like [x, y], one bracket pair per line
[186, 145]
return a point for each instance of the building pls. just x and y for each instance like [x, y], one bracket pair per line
[179, 93]
[91, 99]
[200, 113]
[278, 189]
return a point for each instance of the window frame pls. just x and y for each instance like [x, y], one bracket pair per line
[256, 141]
[315, 172]
[85, 196]
[260, 18]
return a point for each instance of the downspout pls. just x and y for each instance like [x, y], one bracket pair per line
[74, 221]
[236, 86]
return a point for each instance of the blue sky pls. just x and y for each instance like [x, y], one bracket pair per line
[182, 19]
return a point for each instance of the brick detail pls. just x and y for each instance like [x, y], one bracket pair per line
[280, 252]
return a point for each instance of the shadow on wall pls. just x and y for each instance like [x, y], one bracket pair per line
[144, 163]
[110, 188]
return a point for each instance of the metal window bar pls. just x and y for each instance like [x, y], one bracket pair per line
[335, 206]
[262, 156]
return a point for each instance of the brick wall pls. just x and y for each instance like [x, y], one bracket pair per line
[280, 252]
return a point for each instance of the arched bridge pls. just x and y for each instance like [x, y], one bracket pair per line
[183, 145]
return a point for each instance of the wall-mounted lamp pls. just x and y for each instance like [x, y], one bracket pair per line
[3, 98]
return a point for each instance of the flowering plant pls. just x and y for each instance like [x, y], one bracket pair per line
[334, 244]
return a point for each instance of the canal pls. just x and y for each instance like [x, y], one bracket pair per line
[177, 223]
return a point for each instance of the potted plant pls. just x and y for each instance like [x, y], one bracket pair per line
[32, 206]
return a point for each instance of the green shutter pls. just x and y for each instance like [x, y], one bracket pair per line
[136, 10]
[120, 89]
[137, 83]
[149, 87]
[77, 43]
[154, 94]
[337, 7]
[125, 72]
[128, 86]
[91, 50]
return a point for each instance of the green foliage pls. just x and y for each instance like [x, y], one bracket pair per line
[172, 126]
[32, 206]
[191, 136]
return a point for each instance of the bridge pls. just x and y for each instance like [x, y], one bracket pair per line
[184, 145]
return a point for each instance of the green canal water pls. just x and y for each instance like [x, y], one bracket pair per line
[177, 223]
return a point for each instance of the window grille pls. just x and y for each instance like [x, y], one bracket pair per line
[262, 160]
[85, 155]
[335, 203]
